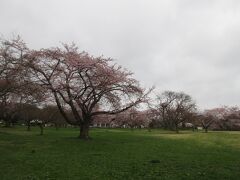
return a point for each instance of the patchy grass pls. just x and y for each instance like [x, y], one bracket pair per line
[118, 154]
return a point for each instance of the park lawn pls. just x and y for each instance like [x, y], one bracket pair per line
[118, 154]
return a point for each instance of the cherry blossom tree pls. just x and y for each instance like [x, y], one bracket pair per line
[131, 118]
[206, 121]
[16, 85]
[88, 86]
[173, 109]
[221, 118]
[12, 73]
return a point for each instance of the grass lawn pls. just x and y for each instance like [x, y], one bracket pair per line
[118, 154]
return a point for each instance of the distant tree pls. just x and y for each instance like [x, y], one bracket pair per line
[225, 118]
[206, 121]
[174, 109]
[192, 120]
[80, 82]
[9, 113]
[133, 118]
[28, 113]
[35, 116]
[51, 114]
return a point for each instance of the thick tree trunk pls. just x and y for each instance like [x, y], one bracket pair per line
[84, 131]
[206, 130]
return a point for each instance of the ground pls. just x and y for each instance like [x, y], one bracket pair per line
[118, 154]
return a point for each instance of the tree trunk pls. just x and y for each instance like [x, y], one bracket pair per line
[28, 126]
[194, 128]
[84, 131]
[7, 123]
[41, 127]
[176, 128]
[56, 127]
[177, 131]
[206, 130]
[149, 129]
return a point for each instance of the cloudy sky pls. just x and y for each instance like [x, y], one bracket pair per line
[181, 45]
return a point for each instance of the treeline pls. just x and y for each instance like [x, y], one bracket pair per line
[31, 115]
[62, 85]
[174, 111]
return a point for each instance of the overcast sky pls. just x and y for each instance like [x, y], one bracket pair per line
[181, 45]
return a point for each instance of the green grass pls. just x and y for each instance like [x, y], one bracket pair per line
[118, 154]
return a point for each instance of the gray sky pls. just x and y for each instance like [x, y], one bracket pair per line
[181, 45]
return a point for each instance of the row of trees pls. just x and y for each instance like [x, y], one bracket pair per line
[223, 118]
[174, 111]
[62, 84]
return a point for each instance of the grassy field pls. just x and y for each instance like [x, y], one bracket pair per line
[118, 154]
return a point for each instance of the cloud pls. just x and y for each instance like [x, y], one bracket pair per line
[190, 46]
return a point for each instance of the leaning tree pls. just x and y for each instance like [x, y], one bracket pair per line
[87, 86]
